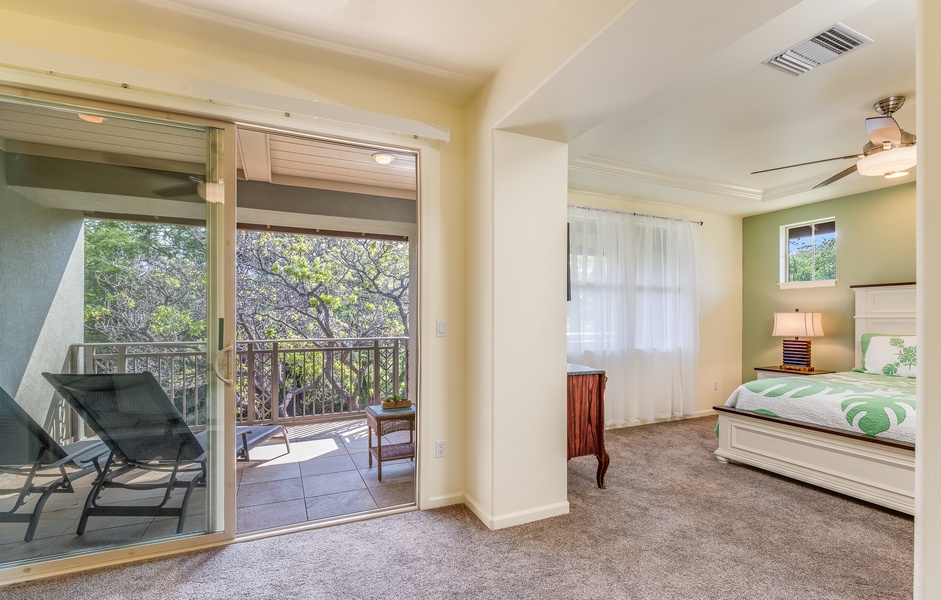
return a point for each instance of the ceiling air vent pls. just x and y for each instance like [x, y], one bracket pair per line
[823, 47]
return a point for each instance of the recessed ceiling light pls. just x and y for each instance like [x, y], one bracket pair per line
[383, 158]
[91, 118]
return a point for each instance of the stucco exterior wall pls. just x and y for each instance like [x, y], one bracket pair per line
[42, 307]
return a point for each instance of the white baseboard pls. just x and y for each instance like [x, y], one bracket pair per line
[517, 518]
[440, 501]
[699, 413]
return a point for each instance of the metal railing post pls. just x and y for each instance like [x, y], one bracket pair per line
[375, 372]
[122, 359]
[274, 395]
[250, 382]
[395, 366]
[89, 352]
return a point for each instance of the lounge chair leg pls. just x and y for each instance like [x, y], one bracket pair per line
[186, 501]
[34, 520]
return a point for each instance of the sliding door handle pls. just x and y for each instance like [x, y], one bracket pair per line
[221, 364]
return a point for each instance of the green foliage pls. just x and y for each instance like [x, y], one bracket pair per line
[296, 287]
[144, 282]
[810, 262]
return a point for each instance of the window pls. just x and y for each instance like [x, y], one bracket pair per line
[809, 252]
[635, 310]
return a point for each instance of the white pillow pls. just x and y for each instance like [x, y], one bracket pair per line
[889, 354]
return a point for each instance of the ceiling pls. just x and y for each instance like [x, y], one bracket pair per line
[669, 103]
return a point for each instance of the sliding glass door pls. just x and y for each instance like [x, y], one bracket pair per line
[110, 287]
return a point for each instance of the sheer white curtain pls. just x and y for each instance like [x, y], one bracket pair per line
[634, 310]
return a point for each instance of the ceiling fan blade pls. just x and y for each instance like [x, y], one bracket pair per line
[839, 175]
[883, 130]
[174, 191]
[813, 162]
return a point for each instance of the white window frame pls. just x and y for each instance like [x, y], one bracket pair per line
[783, 282]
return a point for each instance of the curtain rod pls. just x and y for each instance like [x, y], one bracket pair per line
[624, 212]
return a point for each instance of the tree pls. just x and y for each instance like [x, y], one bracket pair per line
[810, 262]
[304, 287]
[144, 282]
[293, 286]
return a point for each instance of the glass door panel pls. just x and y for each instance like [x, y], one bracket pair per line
[109, 323]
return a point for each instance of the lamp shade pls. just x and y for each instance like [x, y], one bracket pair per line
[798, 324]
[887, 162]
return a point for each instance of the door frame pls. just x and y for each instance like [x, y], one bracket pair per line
[222, 500]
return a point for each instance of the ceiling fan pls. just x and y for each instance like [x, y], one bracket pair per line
[166, 178]
[889, 153]
[195, 185]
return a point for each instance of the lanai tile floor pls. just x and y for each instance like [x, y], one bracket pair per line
[326, 475]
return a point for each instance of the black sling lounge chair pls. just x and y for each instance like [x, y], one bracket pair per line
[143, 430]
[28, 451]
[133, 416]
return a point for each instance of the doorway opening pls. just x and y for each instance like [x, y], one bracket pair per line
[325, 276]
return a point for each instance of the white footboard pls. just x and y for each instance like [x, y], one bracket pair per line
[883, 474]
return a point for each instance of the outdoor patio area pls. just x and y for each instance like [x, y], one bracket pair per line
[325, 475]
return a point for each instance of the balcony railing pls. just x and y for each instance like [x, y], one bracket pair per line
[277, 381]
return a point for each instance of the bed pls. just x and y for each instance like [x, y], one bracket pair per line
[862, 442]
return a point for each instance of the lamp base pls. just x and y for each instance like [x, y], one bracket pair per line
[793, 368]
[796, 355]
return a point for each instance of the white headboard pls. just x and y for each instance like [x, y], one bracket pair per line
[885, 308]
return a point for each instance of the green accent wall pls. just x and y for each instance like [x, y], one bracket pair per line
[875, 243]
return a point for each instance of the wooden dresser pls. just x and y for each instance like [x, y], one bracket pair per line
[586, 415]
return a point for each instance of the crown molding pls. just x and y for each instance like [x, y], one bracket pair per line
[612, 168]
[620, 170]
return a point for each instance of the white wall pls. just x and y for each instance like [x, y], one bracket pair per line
[720, 296]
[928, 457]
[529, 391]
[502, 278]
[516, 407]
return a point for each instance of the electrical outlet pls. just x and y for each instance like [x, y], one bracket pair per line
[715, 385]
[439, 449]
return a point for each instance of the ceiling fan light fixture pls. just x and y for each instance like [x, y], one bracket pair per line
[894, 163]
[383, 158]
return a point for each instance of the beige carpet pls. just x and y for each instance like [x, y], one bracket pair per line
[673, 523]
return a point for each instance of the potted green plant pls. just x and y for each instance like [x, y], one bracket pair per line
[396, 401]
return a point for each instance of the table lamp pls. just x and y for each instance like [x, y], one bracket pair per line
[796, 352]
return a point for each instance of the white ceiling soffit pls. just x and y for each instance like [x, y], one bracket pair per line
[96, 78]
[693, 133]
[442, 50]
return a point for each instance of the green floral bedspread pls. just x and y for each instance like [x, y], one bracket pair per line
[876, 405]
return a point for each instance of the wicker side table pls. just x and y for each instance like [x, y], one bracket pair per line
[383, 422]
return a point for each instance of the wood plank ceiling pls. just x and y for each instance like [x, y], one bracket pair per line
[262, 156]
